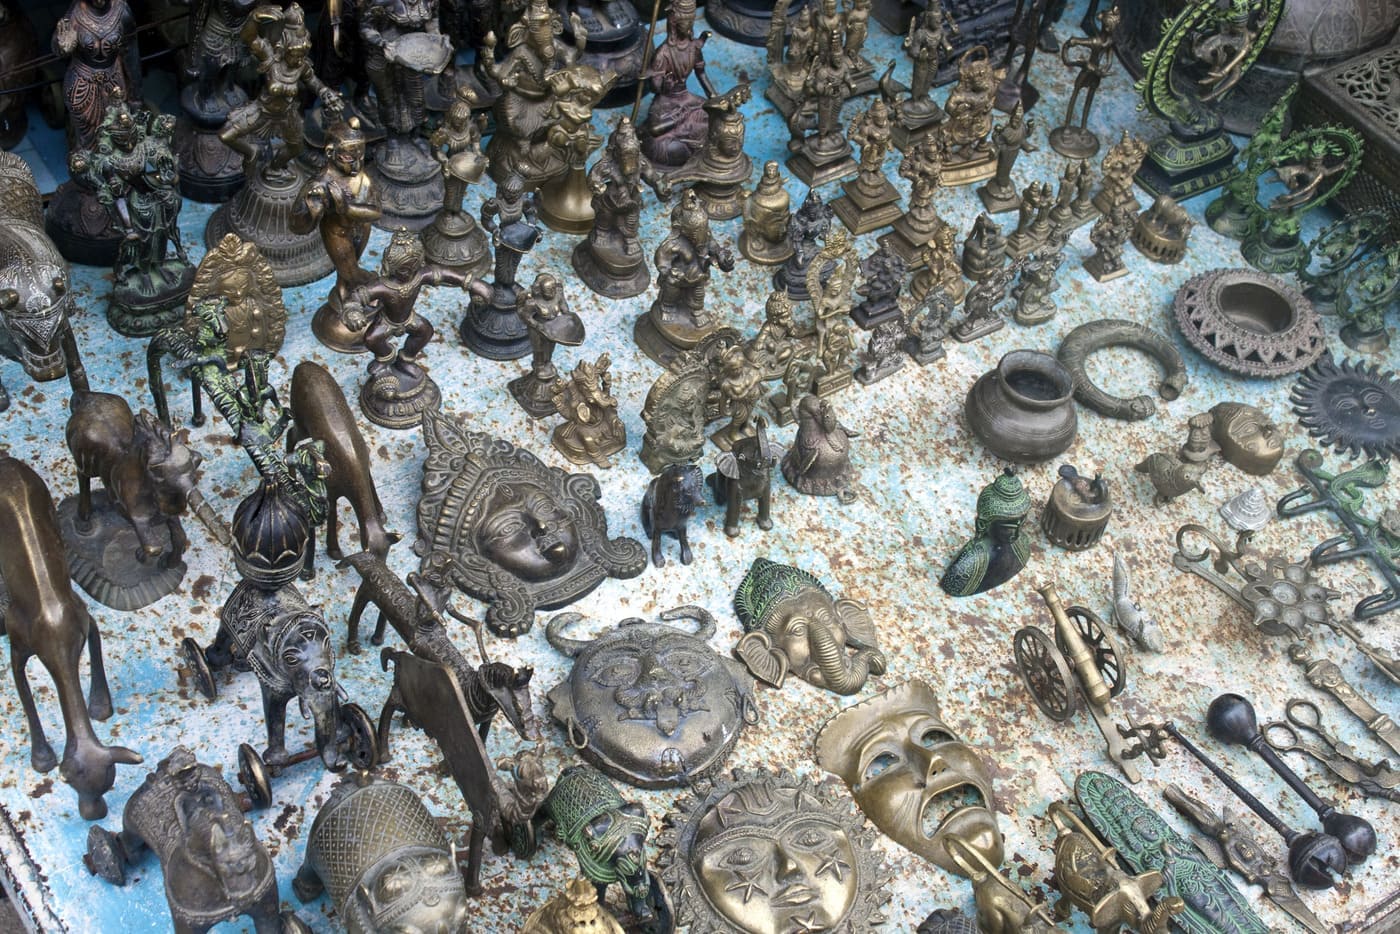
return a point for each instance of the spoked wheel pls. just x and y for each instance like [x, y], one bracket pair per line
[199, 668]
[291, 924]
[254, 776]
[104, 856]
[1046, 673]
[362, 746]
[1108, 658]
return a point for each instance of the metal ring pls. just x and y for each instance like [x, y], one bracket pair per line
[1114, 332]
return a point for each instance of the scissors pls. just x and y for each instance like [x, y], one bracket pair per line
[1303, 732]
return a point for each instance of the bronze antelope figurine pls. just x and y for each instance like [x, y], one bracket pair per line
[319, 411]
[46, 618]
[492, 688]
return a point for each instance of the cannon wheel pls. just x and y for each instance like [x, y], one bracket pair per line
[199, 668]
[254, 776]
[361, 742]
[291, 924]
[104, 856]
[1046, 673]
[1108, 659]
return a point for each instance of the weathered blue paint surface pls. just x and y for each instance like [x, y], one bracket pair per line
[920, 471]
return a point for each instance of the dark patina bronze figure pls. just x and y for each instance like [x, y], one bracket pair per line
[1000, 544]
[611, 261]
[550, 322]
[743, 473]
[492, 326]
[667, 506]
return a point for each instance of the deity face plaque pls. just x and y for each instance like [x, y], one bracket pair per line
[771, 854]
[523, 535]
[1247, 439]
[650, 704]
[911, 775]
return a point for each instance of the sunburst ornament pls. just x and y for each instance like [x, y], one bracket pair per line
[770, 851]
[1248, 322]
[1351, 406]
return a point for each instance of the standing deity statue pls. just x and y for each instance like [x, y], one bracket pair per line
[610, 261]
[678, 318]
[927, 43]
[1074, 138]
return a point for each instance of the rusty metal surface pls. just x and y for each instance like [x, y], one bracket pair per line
[920, 471]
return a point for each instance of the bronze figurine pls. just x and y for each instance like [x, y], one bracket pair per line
[492, 326]
[526, 535]
[382, 858]
[899, 757]
[217, 59]
[610, 260]
[809, 225]
[882, 274]
[399, 389]
[819, 461]
[1038, 282]
[676, 124]
[1145, 631]
[1000, 544]
[767, 212]
[884, 352]
[821, 154]
[1077, 511]
[928, 326]
[738, 384]
[941, 268]
[591, 432]
[320, 413]
[926, 41]
[792, 623]
[549, 322]
[667, 506]
[675, 413]
[923, 165]
[46, 619]
[984, 250]
[1072, 139]
[1010, 140]
[215, 867]
[1110, 233]
[342, 202]
[678, 318]
[1161, 231]
[982, 305]
[133, 172]
[719, 171]
[970, 156]
[571, 911]
[454, 239]
[255, 319]
[770, 852]
[1170, 476]
[1116, 187]
[743, 473]
[1089, 878]
[870, 202]
[651, 704]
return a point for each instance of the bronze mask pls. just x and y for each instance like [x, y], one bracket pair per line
[911, 775]
[1246, 437]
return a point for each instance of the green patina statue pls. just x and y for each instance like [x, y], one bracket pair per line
[1000, 545]
[1233, 212]
[133, 174]
[1368, 292]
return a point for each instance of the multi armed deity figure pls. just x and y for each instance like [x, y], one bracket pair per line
[678, 318]
[676, 124]
[610, 261]
[924, 166]
[870, 202]
[970, 155]
[821, 153]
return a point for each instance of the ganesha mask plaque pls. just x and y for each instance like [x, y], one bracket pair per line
[651, 704]
[793, 624]
[911, 775]
[525, 535]
[769, 854]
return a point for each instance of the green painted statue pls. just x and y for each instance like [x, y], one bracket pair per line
[1000, 545]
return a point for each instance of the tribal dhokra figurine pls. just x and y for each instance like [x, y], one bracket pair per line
[1073, 138]
[254, 317]
[35, 293]
[819, 461]
[545, 312]
[341, 202]
[676, 124]
[759, 851]
[695, 708]
[216, 58]
[808, 226]
[269, 134]
[767, 214]
[969, 156]
[215, 867]
[941, 268]
[381, 856]
[1203, 53]
[820, 151]
[98, 37]
[525, 535]
[133, 173]
[1010, 140]
[45, 619]
[678, 318]
[923, 165]
[591, 432]
[1160, 232]
[491, 327]
[610, 261]
[792, 624]
[399, 389]
[403, 50]
[454, 239]
[870, 202]
[720, 169]
[926, 42]
[1000, 544]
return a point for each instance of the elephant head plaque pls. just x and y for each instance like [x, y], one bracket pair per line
[526, 535]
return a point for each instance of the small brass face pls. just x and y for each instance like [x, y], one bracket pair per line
[911, 775]
[1247, 439]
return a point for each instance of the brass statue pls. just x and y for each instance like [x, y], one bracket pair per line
[820, 151]
[1073, 139]
[611, 261]
[591, 432]
[927, 43]
[255, 319]
[678, 318]
[819, 461]
[676, 125]
[217, 59]
[454, 239]
[970, 156]
[1109, 235]
[1010, 140]
[342, 203]
[720, 169]
[546, 315]
[924, 165]
[767, 213]
[739, 386]
[492, 327]
[941, 269]
[1089, 878]
[870, 202]
[792, 623]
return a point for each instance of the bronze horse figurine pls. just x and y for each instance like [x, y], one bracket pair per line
[45, 618]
